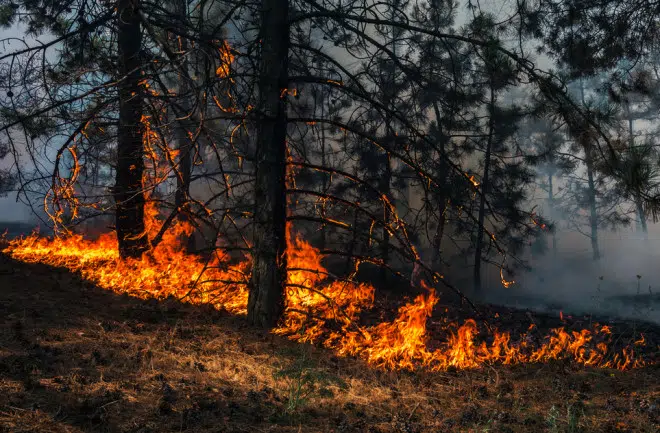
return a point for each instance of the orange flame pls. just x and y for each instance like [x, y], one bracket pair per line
[319, 310]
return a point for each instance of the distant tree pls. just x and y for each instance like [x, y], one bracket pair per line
[7, 176]
[594, 37]
[547, 151]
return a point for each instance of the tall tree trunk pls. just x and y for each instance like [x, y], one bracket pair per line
[593, 210]
[354, 233]
[484, 190]
[324, 175]
[385, 189]
[436, 259]
[436, 244]
[183, 141]
[385, 184]
[639, 202]
[551, 202]
[128, 194]
[266, 298]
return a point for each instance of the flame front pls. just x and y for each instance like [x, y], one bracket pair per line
[320, 310]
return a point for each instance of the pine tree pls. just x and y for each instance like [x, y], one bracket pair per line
[266, 300]
[128, 193]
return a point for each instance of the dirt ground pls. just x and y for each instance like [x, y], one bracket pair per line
[76, 358]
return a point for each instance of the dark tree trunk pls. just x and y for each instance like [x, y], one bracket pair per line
[385, 189]
[593, 209]
[324, 184]
[439, 234]
[639, 201]
[484, 190]
[551, 201]
[385, 184]
[436, 258]
[442, 200]
[354, 235]
[183, 141]
[266, 299]
[128, 193]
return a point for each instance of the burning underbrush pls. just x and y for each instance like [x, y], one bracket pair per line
[328, 312]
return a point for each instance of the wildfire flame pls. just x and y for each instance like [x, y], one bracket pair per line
[319, 309]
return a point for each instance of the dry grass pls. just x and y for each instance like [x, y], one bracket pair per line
[75, 358]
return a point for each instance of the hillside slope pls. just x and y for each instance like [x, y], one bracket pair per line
[76, 358]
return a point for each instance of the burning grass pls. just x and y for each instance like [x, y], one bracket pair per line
[78, 358]
[320, 310]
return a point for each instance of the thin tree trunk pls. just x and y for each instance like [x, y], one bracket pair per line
[324, 175]
[551, 202]
[593, 218]
[266, 298]
[639, 202]
[484, 190]
[183, 141]
[436, 259]
[385, 186]
[593, 211]
[385, 189]
[354, 234]
[129, 198]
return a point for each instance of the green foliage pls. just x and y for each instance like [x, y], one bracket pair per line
[571, 424]
[8, 14]
[304, 379]
[553, 419]
[574, 415]
[7, 182]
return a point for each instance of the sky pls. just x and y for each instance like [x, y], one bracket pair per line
[10, 210]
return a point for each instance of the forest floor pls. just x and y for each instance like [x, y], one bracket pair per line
[76, 358]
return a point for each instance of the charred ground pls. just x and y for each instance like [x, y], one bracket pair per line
[74, 357]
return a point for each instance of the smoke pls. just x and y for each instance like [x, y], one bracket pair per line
[622, 283]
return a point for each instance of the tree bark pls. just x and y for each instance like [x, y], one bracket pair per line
[437, 237]
[324, 183]
[484, 190]
[442, 193]
[128, 191]
[266, 298]
[442, 200]
[385, 188]
[593, 210]
[385, 184]
[551, 202]
[639, 202]
[183, 141]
